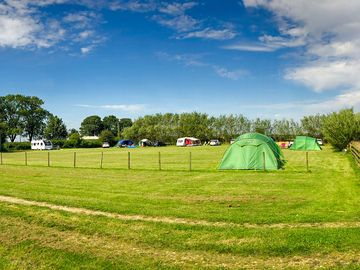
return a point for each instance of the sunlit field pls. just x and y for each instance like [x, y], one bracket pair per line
[176, 218]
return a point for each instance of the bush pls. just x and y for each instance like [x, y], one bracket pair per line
[341, 128]
[90, 144]
[107, 136]
[17, 146]
[59, 143]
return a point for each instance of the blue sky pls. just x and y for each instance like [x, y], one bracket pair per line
[261, 58]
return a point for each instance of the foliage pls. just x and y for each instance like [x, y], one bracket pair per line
[90, 144]
[340, 128]
[312, 125]
[112, 124]
[91, 126]
[55, 128]
[12, 109]
[11, 146]
[124, 123]
[262, 126]
[107, 136]
[283, 130]
[33, 116]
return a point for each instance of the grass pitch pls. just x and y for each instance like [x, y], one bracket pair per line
[232, 219]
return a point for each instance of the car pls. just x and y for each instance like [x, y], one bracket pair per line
[214, 142]
[158, 144]
[232, 141]
[320, 141]
[105, 145]
[290, 144]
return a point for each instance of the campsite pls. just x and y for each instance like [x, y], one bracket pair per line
[179, 134]
[175, 218]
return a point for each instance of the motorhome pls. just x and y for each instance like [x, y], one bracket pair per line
[41, 145]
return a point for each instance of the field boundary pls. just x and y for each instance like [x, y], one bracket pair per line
[174, 220]
[355, 151]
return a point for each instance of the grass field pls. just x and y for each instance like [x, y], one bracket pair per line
[174, 218]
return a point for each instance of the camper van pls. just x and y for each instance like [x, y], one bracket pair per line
[188, 141]
[41, 145]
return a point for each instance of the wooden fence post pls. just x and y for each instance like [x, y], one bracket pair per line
[48, 158]
[26, 163]
[190, 167]
[129, 164]
[307, 161]
[74, 159]
[1, 158]
[159, 161]
[101, 160]
[264, 162]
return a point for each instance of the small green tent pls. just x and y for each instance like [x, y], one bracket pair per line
[247, 153]
[304, 143]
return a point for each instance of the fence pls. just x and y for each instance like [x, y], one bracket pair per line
[354, 148]
[127, 160]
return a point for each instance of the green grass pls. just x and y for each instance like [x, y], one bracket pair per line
[36, 237]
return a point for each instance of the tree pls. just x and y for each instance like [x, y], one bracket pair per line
[124, 123]
[55, 129]
[340, 128]
[12, 109]
[107, 136]
[72, 131]
[262, 126]
[33, 116]
[312, 125]
[91, 126]
[111, 123]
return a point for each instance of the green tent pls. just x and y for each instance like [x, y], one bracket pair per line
[305, 143]
[247, 153]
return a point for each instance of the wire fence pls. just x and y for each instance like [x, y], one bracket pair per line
[354, 148]
[130, 160]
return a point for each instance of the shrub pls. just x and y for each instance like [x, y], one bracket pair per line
[90, 144]
[341, 128]
[17, 146]
[107, 136]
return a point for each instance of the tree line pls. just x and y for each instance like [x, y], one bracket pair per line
[25, 116]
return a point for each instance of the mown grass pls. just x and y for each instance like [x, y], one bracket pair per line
[35, 237]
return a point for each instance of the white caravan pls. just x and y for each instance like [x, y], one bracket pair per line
[41, 145]
[188, 141]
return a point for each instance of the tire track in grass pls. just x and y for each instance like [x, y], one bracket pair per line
[174, 220]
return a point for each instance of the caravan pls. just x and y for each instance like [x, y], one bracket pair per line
[188, 141]
[41, 145]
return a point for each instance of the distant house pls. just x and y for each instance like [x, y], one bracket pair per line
[90, 137]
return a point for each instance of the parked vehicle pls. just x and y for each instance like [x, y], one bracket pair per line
[188, 141]
[320, 141]
[41, 145]
[105, 145]
[232, 141]
[159, 144]
[214, 143]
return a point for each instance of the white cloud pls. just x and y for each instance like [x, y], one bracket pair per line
[24, 24]
[249, 47]
[181, 23]
[209, 33]
[176, 8]
[329, 32]
[229, 74]
[195, 60]
[116, 107]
